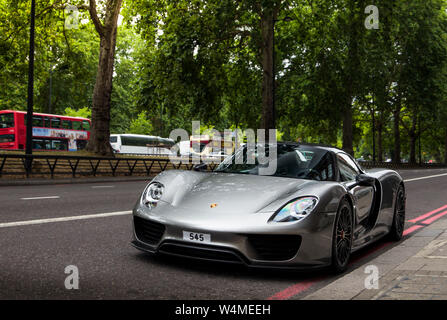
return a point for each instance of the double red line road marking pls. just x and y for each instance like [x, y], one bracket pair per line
[426, 218]
[428, 214]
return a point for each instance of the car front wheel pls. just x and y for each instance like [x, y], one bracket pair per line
[342, 237]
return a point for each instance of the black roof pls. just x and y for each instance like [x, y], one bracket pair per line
[320, 145]
[317, 145]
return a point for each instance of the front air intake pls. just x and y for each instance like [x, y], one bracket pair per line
[275, 247]
[147, 231]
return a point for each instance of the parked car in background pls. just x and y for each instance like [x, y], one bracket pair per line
[141, 144]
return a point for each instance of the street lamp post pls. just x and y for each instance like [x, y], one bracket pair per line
[51, 90]
[29, 115]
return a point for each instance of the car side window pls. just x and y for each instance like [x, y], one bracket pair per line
[324, 168]
[348, 169]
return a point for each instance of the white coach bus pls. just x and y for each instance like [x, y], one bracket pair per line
[141, 144]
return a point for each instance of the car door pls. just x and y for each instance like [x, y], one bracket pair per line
[363, 195]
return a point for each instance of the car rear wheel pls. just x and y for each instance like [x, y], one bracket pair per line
[397, 228]
[342, 237]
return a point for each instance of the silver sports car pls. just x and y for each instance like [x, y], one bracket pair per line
[313, 211]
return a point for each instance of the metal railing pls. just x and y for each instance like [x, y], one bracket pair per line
[392, 165]
[24, 165]
[76, 166]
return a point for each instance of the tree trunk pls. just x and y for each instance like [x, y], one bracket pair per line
[351, 76]
[412, 148]
[268, 107]
[379, 142]
[100, 132]
[397, 151]
[347, 130]
[413, 139]
[373, 129]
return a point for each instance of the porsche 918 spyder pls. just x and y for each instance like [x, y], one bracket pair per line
[317, 208]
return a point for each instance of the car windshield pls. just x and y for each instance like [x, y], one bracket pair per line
[292, 161]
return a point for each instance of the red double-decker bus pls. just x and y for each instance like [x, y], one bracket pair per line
[50, 132]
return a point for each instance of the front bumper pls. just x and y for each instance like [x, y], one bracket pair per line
[305, 244]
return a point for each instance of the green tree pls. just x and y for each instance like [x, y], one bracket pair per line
[422, 57]
[141, 125]
[82, 112]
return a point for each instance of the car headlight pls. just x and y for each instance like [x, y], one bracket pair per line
[152, 194]
[296, 210]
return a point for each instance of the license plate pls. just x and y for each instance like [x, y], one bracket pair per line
[196, 237]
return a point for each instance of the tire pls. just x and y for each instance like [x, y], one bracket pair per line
[397, 227]
[342, 237]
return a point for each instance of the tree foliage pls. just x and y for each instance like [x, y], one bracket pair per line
[375, 91]
[141, 125]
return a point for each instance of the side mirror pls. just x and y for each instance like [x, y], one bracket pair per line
[365, 180]
[200, 167]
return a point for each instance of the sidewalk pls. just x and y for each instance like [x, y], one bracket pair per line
[416, 269]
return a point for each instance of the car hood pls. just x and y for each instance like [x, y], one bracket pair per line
[225, 192]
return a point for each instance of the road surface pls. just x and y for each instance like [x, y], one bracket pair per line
[44, 229]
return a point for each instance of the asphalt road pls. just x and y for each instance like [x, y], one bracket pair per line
[33, 257]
